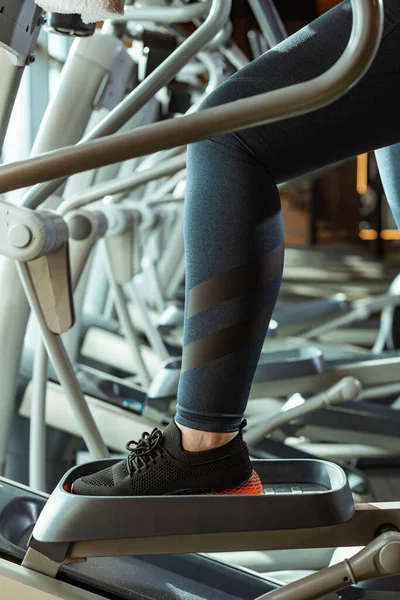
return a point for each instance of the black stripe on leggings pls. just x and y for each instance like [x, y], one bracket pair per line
[224, 342]
[236, 282]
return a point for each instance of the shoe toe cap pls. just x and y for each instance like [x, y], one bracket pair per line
[97, 484]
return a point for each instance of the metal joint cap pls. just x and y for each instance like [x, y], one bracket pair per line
[147, 215]
[118, 221]
[83, 223]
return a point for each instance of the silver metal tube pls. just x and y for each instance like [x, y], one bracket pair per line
[11, 76]
[153, 160]
[314, 586]
[109, 307]
[269, 21]
[109, 188]
[234, 116]
[362, 310]
[215, 75]
[380, 391]
[164, 14]
[14, 314]
[168, 186]
[72, 338]
[384, 338]
[346, 389]
[141, 164]
[156, 200]
[380, 557]
[150, 329]
[97, 287]
[151, 273]
[145, 116]
[222, 37]
[358, 314]
[218, 15]
[82, 181]
[125, 321]
[255, 44]
[65, 372]
[178, 277]
[385, 335]
[37, 432]
[168, 264]
[235, 55]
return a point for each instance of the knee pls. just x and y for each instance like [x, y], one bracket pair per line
[219, 147]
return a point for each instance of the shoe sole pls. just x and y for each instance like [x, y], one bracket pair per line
[252, 486]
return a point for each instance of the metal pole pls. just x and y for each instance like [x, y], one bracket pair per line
[150, 329]
[14, 314]
[125, 321]
[37, 432]
[108, 188]
[97, 287]
[11, 76]
[164, 14]
[65, 372]
[269, 21]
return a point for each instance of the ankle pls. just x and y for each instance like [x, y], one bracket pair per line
[194, 440]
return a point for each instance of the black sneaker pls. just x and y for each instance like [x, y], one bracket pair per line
[158, 465]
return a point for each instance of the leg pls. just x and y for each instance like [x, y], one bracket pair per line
[234, 252]
[233, 220]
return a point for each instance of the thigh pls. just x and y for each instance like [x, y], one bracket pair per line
[365, 118]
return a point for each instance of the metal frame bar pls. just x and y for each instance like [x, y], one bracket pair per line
[108, 188]
[11, 80]
[346, 389]
[64, 370]
[358, 531]
[269, 21]
[125, 320]
[38, 86]
[164, 14]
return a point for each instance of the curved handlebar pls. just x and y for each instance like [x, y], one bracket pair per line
[241, 114]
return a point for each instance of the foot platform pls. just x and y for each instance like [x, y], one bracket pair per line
[156, 577]
[299, 495]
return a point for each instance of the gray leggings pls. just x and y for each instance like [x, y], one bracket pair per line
[233, 226]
